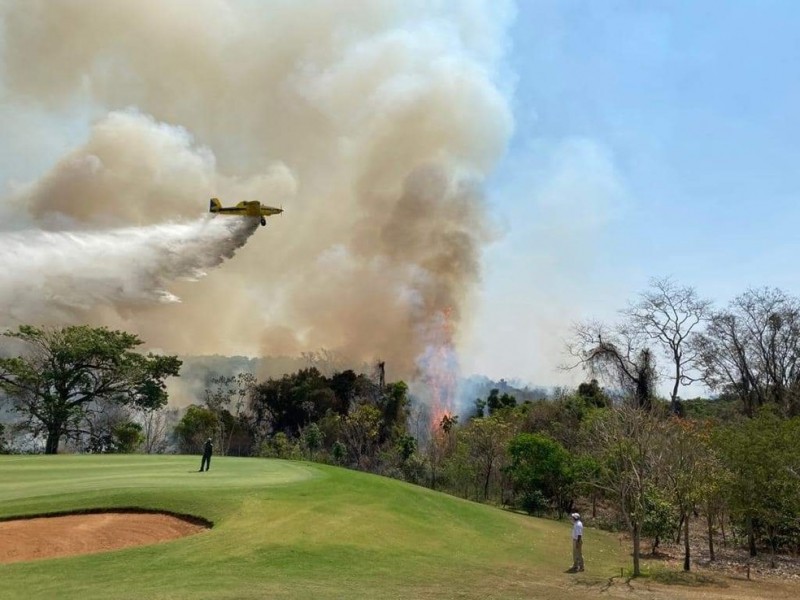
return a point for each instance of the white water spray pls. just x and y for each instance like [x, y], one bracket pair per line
[51, 273]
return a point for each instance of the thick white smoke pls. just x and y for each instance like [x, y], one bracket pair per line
[374, 124]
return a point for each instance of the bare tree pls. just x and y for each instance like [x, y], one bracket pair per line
[155, 427]
[752, 350]
[670, 315]
[95, 432]
[325, 361]
[620, 357]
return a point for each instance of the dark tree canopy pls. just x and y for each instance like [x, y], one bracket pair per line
[593, 394]
[497, 402]
[290, 403]
[64, 371]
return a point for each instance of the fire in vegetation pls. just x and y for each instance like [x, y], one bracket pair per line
[439, 369]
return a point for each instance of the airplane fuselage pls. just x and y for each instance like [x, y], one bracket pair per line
[247, 208]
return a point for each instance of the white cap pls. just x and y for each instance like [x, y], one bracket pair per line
[575, 516]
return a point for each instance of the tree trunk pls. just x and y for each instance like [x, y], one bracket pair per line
[686, 549]
[722, 529]
[676, 409]
[53, 437]
[751, 537]
[486, 484]
[773, 545]
[636, 543]
[680, 529]
[710, 519]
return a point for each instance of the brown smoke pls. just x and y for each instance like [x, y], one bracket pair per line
[372, 123]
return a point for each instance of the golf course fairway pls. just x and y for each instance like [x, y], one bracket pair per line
[295, 530]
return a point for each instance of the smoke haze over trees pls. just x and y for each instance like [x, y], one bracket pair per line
[374, 125]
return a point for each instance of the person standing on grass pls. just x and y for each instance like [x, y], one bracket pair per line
[207, 449]
[577, 543]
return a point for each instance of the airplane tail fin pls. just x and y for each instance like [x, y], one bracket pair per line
[215, 205]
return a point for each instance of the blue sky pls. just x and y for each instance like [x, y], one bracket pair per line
[682, 120]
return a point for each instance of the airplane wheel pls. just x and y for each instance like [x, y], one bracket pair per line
[263, 221]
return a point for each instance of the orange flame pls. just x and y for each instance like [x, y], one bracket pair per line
[440, 369]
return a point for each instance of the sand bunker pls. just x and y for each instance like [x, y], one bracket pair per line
[68, 535]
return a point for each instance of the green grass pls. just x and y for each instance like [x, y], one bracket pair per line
[290, 530]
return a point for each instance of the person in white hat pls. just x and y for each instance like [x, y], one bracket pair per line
[577, 543]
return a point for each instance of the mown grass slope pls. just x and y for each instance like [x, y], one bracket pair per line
[290, 530]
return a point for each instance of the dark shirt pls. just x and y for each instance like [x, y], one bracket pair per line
[207, 449]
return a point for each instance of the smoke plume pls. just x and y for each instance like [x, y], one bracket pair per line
[373, 124]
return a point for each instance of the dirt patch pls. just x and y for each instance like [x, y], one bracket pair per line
[69, 535]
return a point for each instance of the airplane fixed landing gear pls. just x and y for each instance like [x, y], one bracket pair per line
[263, 222]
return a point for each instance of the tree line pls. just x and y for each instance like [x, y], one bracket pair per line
[729, 465]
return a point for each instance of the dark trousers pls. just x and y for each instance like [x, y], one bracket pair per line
[206, 462]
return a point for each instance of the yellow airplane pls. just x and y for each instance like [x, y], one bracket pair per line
[252, 208]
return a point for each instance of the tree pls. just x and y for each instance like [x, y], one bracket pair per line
[763, 488]
[284, 404]
[279, 445]
[361, 430]
[487, 440]
[290, 403]
[539, 463]
[628, 444]
[752, 350]
[669, 314]
[64, 371]
[394, 408]
[619, 356]
[686, 472]
[496, 402]
[459, 469]
[97, 429]
[587, 477]
[127, 437]
[593, 395]
[312, 438]
[346, 386]
[339, 452]
[155, 428]
[480, 407]
[197, 425]
[226, 398]
[659, 516]
[712, 497]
